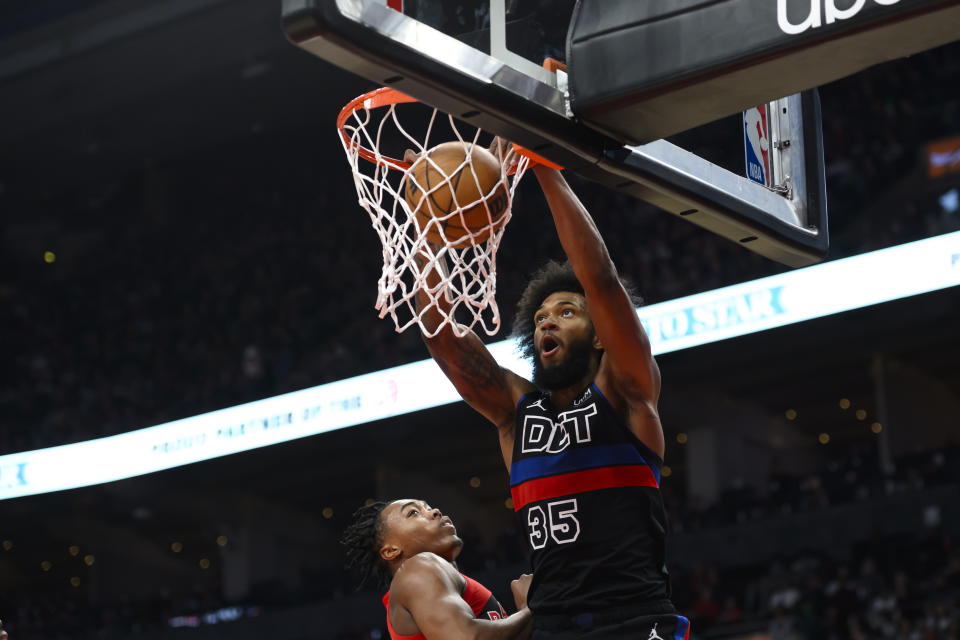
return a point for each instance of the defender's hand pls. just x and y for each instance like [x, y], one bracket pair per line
[520, 587]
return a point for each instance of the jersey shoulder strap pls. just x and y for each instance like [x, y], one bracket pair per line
[393, 634]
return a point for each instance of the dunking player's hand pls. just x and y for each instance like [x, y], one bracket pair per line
[506, 152]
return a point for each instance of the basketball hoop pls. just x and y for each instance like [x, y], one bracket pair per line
[455, 276]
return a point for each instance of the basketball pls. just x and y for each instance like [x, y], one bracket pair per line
[454, 190]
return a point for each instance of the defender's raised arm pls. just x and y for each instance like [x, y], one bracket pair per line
[431, 591]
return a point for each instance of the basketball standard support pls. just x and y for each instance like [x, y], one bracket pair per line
[640, 81]
[393, 49]
[682, 182]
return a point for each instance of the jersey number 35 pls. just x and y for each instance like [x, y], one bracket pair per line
[558, 522]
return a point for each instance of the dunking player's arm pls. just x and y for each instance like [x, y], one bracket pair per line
[429, 589]
[482, 383]
[628, 374]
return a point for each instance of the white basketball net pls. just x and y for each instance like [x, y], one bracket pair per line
[455, 277]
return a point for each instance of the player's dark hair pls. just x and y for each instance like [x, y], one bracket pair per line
[552, 277]
[363, 539]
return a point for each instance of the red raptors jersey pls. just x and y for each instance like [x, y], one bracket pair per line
[587, 492]
[483, 603]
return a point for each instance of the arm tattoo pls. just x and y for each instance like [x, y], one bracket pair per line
[463, 363]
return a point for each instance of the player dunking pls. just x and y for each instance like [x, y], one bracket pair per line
[583, 441]
[414, 547]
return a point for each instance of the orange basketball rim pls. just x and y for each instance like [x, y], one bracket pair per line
[385, 97]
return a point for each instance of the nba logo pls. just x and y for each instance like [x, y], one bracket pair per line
[756, 142]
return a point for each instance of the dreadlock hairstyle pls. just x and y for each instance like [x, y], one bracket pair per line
[363, 539]
[552, 277]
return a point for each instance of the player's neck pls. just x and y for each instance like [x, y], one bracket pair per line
[560, 398]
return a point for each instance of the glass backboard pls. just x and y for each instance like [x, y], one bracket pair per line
[481, 61]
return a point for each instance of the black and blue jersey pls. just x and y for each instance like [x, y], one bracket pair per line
[587, 492]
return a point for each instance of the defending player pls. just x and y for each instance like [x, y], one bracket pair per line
[414, 547]
[583, 442]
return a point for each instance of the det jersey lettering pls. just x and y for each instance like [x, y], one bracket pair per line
[556, 521]
[817, 16]
[542, 434]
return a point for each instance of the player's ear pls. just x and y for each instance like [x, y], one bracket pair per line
[596, 342]
[390, 552]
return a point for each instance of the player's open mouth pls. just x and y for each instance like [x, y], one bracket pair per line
[549, 346]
